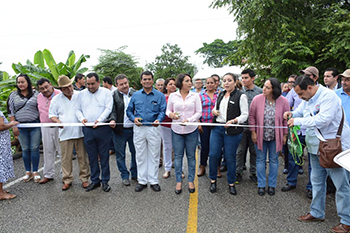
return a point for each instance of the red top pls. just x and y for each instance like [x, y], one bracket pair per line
[167, 119]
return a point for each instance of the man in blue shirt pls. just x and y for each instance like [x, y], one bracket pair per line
[322, 110]
[147, 109]
[344, 93]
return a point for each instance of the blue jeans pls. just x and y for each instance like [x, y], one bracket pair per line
[97, 143]
[180, 143]
[261, 164]
[340, 178]
[218, 139]
[293, 168]
[120, 146]
[30, 139]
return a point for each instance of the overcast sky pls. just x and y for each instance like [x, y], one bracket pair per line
[85, 26]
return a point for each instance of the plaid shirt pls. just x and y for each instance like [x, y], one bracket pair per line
[207, 106]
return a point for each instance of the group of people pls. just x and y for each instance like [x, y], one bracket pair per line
[147, 118]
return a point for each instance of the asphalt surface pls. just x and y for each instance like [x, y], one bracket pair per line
[45, 208]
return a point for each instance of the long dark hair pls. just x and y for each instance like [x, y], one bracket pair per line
[276, 88]
[29, 88]
[165, 91]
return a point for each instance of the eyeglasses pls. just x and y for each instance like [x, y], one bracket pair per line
[291, 82]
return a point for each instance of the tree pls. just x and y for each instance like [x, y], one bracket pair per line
[281, 37]
[171, 63]
[114, 62]
[216, 53]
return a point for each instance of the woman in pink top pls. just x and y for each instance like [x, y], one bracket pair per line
[165, 129]
[184, 106]
[267, 110]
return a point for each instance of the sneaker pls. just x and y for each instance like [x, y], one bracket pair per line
[309, 193]
[285, 171]
[301, 171]
[126, 182]
[238, 178]
[74, 156]
[253, 178]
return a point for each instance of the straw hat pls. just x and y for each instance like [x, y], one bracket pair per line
[346, 74]
[64, 81]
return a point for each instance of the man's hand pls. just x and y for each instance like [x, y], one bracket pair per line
[95, 126]
[114, 124]
[287, 115]
[137, 121]
[290, 122]
[155, 123]
[84, 121]
[254, 136]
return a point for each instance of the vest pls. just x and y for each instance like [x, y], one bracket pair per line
[233, 110]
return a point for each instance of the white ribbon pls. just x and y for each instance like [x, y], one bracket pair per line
[33, 125]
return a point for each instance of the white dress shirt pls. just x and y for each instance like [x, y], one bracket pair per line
[94, 106]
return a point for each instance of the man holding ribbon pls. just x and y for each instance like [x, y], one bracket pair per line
[147, 109]
[94, 106]
[62, 110]
[322, 110]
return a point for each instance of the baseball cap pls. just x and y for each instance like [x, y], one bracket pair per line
[311, 70]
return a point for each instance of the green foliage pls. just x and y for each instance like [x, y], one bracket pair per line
[171, 63]
[114, 62]
[37, 70]
[218, 53]
[281, 37]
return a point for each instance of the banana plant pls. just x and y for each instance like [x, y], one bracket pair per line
[43, 66]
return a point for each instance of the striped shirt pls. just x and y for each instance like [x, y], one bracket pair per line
[207, 106]
[22, 108]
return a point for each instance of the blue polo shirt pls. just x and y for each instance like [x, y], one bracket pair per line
[345, 102]
[149, 107]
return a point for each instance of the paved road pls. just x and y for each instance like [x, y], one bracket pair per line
[45, 208]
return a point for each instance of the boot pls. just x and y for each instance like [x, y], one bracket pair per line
[201, 171]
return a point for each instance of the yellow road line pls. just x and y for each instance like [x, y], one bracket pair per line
[192, 219]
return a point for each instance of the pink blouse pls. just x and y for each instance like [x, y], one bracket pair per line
[190, 109]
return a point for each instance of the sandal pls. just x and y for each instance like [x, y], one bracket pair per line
[28, 177]
[37, 177]
[166, 174]
[9, 196]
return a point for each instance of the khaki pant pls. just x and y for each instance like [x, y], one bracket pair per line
[67, 163]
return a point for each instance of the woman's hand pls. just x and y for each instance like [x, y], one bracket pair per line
[230, 122]
[174, 115]
[200, 129]
[15, 131]
[254, 136]
[184, 122]
[285, 139]
[215, 112]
